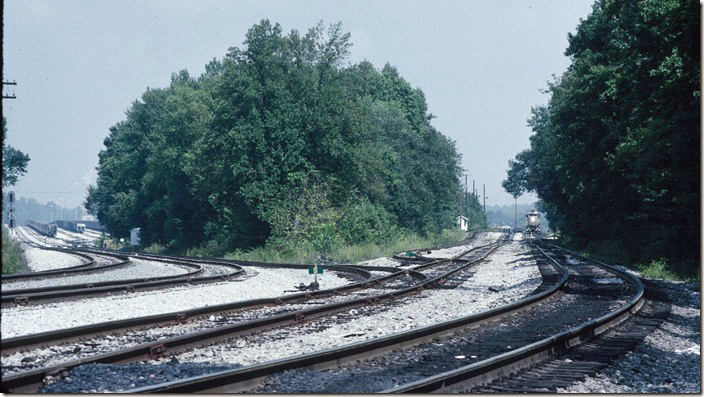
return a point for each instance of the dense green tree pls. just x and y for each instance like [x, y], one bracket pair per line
[14, 162]
[615, 157]
[279, 142]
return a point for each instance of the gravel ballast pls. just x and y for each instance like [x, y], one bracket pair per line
[667, 361]
[481, 239]
[137, 268]
[59, 315]
[40, 260]
[513, 279]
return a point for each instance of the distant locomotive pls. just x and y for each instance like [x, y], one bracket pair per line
[74, 226]
[43, 228]
[532, 222]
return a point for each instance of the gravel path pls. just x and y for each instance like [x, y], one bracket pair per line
[52, 316]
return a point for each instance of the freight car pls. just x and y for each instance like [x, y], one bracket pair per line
[74, 226]
[43, 228]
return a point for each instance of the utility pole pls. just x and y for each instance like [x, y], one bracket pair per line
[515, 218]
[484, 195]
[466, 185]
[474, 191]
[4, 83]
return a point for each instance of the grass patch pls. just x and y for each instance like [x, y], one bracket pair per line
[155, 249]
[13, 259]
[347, 253]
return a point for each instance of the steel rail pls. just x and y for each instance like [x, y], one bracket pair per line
[70, 334]
[25, 296]
[79, 269]
[483, 371]
[241, 378]
[29, 381]
[98, 284]
[401, 256]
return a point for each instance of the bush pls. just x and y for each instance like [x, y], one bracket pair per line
[155, 249]
[657, 269]
[306, 253]
[13, 260]
[365, 222]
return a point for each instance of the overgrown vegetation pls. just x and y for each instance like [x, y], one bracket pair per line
[615, 157]
[280, 150]
[346, 252]
[658, 269]
[13, 260]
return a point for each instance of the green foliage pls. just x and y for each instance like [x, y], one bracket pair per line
[658, 269]
[615, 157]
[363, 221]
[13, 260]
[279, 143]
[155, 249]
[348, 252]
[14, 162]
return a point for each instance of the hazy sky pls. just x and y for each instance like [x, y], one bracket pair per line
[80, 64]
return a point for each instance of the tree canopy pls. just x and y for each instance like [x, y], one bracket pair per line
[14, 162]
[281, 141]
[615, 157]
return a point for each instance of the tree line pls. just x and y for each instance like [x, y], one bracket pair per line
[280, 142]
[615, 155]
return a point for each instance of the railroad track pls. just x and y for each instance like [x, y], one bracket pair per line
[460, 378]
[534, 367]
[30, 380]
[89, 265]
[27, 296]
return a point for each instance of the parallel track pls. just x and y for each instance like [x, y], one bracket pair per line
[30, 380]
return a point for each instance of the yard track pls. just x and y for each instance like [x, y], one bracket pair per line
[30, 380]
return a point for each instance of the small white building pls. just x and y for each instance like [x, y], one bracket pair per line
[134, 236]
[463, 222]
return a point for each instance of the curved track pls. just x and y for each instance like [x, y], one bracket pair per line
[26, 379]
[584, 291]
